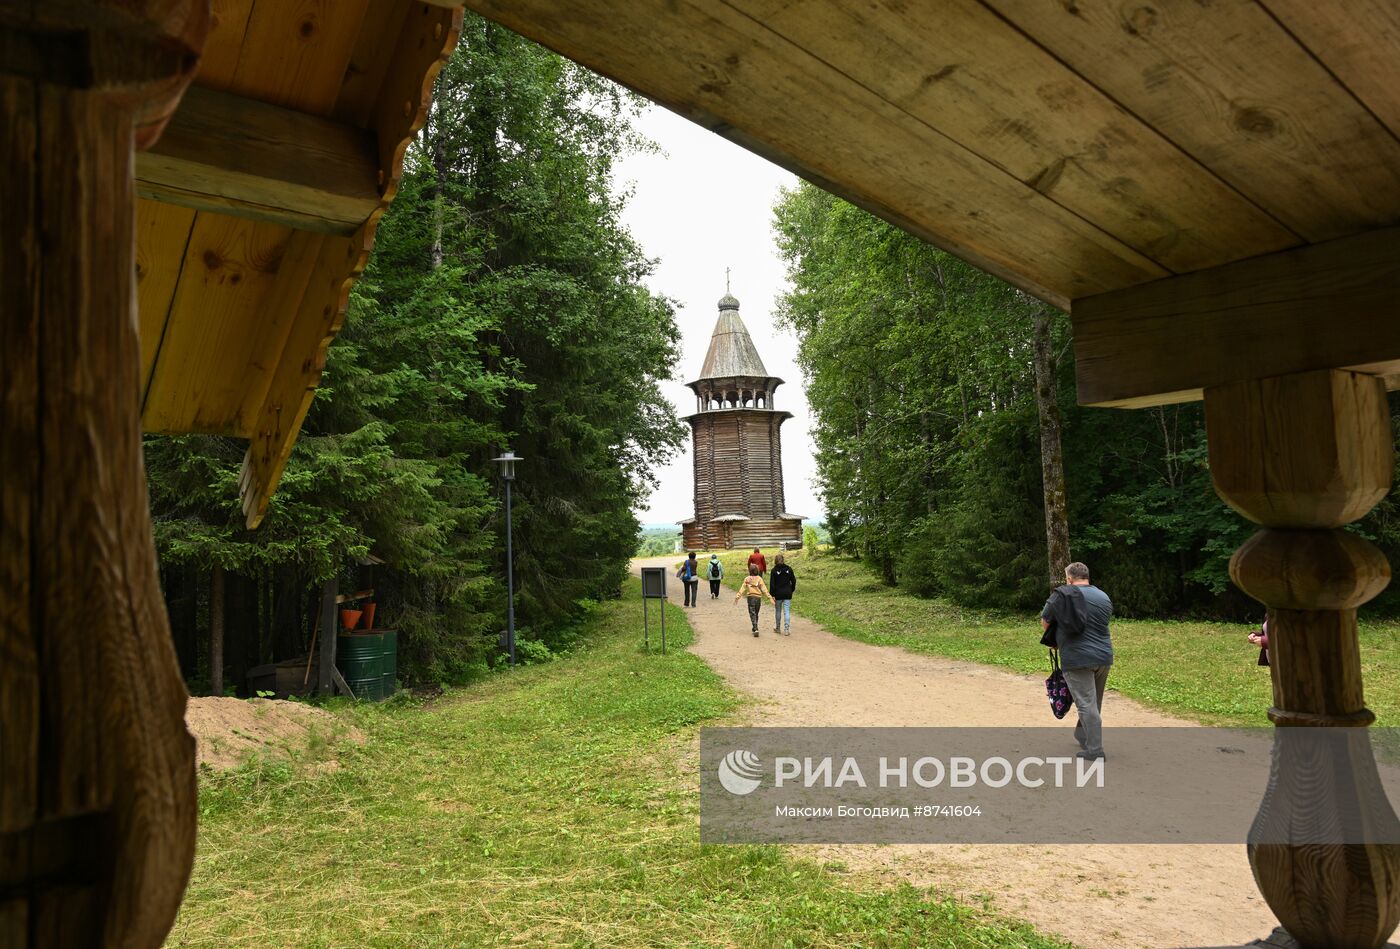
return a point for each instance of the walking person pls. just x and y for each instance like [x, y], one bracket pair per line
[1079, 612]
[715, 572]
[756, 560]
[689, 575]
[753, 588]
[782, 584]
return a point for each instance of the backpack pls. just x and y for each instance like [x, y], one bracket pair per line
[715, 570]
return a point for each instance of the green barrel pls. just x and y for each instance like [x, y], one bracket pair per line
[360, 658]
[391, 662]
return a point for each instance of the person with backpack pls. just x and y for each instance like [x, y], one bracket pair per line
[689, 575]
[1075, 621]
[716, 573]
[782, 584]
[753, 588]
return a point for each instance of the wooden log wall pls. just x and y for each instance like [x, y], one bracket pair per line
[738, 470]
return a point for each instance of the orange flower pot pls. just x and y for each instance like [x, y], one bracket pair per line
[369, 615]
[348, 618]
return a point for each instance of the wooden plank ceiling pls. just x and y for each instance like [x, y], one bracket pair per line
[258, 209]
[1076, 148]
[1161, 168]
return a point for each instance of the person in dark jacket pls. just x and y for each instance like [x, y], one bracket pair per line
[715, 573]
[782, 584]
[689, 574]
[1080, 612]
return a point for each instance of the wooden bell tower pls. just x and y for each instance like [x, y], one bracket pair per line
[737, 446]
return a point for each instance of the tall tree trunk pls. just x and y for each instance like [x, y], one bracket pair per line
[439, 185]
[1052, 459]
[216, 631]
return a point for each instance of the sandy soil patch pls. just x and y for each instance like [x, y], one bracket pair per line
[228, 731]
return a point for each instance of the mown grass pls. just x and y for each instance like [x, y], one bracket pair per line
[1206, 672]
[553, 806]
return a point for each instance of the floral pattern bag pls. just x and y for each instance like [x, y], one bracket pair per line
[1057, 689]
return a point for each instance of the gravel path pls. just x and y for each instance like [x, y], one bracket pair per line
[1097, 896]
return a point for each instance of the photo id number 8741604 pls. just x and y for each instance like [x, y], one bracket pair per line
[948, 810]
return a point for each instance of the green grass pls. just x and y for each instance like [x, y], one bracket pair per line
[553, 806]
[1206, 672]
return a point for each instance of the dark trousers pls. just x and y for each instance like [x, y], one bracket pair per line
[692, 592]
[754, 604]
[714, 589]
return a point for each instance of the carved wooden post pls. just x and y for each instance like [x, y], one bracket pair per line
[97, 782]
[1303, 455]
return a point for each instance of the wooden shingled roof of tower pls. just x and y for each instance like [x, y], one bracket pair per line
[732, 352]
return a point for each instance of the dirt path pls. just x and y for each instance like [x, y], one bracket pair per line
[1097, 896]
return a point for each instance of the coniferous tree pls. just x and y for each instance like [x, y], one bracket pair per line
[503, 305]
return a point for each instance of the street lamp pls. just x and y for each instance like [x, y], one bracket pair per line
[507, 463]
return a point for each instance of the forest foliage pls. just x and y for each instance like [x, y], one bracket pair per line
[503, 305]
[919, 374]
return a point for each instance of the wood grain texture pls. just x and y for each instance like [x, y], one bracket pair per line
[1237, 92]
[1359, 42]
[1336, 887]
[200, 376]
[1326, 306]
[1313, 450]
[717, 66]
[1308, 450]
[250, 159]
[162, 233]
[737, 457]
[295, 52]
[293, 385]
[92, 710]
[427, 38]
[283, 310]
[228, 27]
[375, 50]
[1310, 569]
[957, 67]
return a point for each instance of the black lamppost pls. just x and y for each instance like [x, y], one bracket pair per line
[507, 463]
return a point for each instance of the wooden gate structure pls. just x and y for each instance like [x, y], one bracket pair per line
[1211, 188]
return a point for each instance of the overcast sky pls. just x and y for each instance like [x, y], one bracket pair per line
[702, 205]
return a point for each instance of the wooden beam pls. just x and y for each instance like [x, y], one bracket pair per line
[427, 38]
[1303, 455]
[246, 158]
[97, 771]
[720, 67]
[1334, 305]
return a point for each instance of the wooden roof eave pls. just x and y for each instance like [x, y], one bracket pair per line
[1107, 159]
[260, 211]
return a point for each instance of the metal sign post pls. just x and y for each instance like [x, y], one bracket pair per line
[653, 588]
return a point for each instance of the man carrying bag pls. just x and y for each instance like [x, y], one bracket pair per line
[1075, 621]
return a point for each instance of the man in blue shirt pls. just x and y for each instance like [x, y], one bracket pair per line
[1080, 612]
[689, 574]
